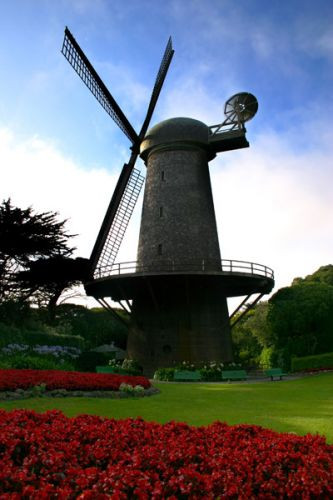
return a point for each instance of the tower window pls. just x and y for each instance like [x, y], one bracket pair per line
[162, 175]
[161, 211]
[159, 249]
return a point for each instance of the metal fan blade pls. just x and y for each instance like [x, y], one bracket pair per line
[112, 210]
[163, 69]
[79, 61]
[116, 219]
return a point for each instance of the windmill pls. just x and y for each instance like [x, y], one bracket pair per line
[176, 291]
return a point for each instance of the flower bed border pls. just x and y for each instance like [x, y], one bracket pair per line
[64, 393]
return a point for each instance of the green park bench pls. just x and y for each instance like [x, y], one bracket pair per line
[275, 372]
[186, 376]
[112, 369]
[106, 369]
[234, 375]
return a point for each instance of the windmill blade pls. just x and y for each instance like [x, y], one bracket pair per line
[130, 181]
[116, 220]
[163, 69]
[79, 61]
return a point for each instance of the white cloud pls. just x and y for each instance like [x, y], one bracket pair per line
[274, 206]
[34, 173]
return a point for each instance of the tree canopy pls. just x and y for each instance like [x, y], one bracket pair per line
[34, 254]
[301, 318]
[296, 321]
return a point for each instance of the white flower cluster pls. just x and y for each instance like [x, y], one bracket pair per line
[115, 363]
[57, 351]
[136, 390]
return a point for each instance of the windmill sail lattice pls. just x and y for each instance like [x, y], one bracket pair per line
[163, 69]
[130, 181]
[80, 63]
[119, 224]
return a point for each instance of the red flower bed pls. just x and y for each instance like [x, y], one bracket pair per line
[48, 456]
[73, 381]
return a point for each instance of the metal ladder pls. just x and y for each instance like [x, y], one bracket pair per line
[119, 225]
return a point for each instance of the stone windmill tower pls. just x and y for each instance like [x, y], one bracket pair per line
[176, 291]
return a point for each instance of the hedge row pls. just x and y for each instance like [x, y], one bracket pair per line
[11, 334]
[312, 362]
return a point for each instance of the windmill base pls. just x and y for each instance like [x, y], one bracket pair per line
[186, 324]
[178, 317]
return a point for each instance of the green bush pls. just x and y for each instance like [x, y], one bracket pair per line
[210, 371]
[22, 360]
[127, 367]
[271, 357]
[88, 360]
[12, 334]
[312, 362]
[266, 357]
[43, 338]
[9, 334]
[164, 374]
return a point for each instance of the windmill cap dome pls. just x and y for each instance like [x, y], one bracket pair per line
[173, 131]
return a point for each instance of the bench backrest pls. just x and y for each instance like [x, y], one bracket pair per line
[234, 374]
[105, 369]
[186, 375]
[273, 371]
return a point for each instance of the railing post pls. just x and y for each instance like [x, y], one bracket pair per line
[251, 267]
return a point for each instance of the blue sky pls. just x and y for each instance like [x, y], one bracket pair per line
[60, 151]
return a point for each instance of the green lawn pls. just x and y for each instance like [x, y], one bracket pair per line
[301, 406]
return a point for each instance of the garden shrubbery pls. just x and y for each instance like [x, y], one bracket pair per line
[125, 367]
[52, 456]
[39, 357]
[164, 374]
[312, 362]
[210, 371]
[88, 360]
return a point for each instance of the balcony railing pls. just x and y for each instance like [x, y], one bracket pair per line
[226, 266]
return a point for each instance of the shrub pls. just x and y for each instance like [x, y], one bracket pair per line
[266, 357]
[38, 390]
[10, 334]
[132, 367]
[309, 362]
[88, 360]
[164, 374]
[22, 360]
[210, 371]
[39, 357]
[127, 367]
[33, 338]
[136, 390]
[56, 351]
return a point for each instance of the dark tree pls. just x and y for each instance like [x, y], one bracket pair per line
[47, 278]
[25, 238]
